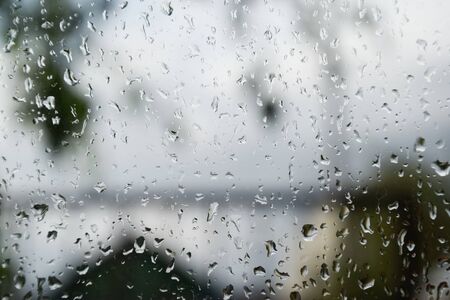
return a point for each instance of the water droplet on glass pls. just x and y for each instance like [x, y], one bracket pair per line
[212, 211]
[211, 267]
[157, 242]
[281, 275]
[442, 168]
[54, 283]
[83, 269]
[309, 232]
[324, 272]
[167, 8]
[228, 292]
[19, 281]
[419, 146]
[51, 235]
[295, 296]
[366, 283]
[100, 187]
[39, 211]
[139, 245]
[271, 247]
[69, 78]
[259, 271]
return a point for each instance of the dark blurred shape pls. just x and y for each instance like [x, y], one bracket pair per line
[391, 255]
[135, 276]
[269, 112]
[39, 33]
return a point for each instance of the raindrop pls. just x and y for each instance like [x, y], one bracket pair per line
[281, 275]
[54, 283]
[295, 296]
[157, 242]
[259, 271]
[69, 78]
[212, 267]
[100, 187]
[365, 225]
[344, 212]
[139, 245]
[19, 281]
[19, 99]
[83, 269]
[170, 266]
[51, 235]
[442, 168]
[228, 292]
[212, 211]
[167, 8]
[271, 247]
[304, 271]
[419, 146]
[39, 211]
[324, 272]
[309, 232]
[366, 283]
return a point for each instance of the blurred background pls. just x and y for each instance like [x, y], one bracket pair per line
[224, 149]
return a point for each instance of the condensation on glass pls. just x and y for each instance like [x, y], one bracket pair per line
[224, 149]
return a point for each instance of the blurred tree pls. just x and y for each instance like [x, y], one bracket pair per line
[39, 37]
[391, 236]
[147, 275]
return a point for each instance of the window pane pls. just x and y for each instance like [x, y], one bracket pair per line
[224, 149]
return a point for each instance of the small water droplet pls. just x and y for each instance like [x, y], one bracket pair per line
[442, 168]
[324, 272]
[69, 78]
[83, 269]
[366, 283]
[100, 187]
[167, 9]
[259, 271]
[39, 211]
[157, 242]
[281, 275]
[170, 266]
[419, 146]
[54, 283]
[51, 235]
[309, 232]
[344, 212]
[212, 267]
[365, 225]
[271, 247]
[228, 292]
[212, 211]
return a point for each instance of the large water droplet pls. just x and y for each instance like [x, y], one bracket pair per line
[19, 281]
[139, 245]
[271, 247]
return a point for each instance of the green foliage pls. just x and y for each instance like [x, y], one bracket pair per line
[135, 276]
[70, 108]
[27, 38]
